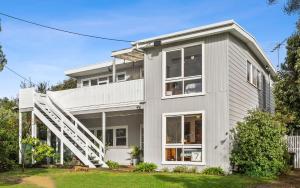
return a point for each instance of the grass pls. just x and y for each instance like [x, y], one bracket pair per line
[99, 178]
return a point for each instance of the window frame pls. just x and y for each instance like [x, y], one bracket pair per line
[122, 73]
[182, 78]
[114, 135]
[182, 145]
[259, 73]
[103, 76]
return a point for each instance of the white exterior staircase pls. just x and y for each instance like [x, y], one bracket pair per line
[71, 132]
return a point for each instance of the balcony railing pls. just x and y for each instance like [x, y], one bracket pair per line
[101, 96]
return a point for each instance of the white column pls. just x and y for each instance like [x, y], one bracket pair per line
[114, 70]
[33, 126]
[48, 142]
[33, 130]
[20, 137]
[61, 149]
[56, 148]
[103, 128]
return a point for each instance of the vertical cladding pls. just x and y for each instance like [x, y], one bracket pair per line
[243, 96]
[214, 102]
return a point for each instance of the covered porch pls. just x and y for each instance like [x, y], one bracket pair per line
[123, 129]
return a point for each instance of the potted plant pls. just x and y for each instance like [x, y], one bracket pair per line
[135, 155]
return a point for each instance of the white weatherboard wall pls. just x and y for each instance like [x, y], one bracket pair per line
[242, 95]
[96, 97]
[214, 103]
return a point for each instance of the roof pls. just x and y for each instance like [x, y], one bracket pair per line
[135, 52]
[212, 29]
[90, 69]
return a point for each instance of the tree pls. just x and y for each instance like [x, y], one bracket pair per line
[290, 6]
[3, 60]
[8, 134]
[42, 87]
[27, 84]
[287, 85]
[66, 84]
[259, 147]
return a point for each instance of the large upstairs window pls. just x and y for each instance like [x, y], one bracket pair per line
[183, 71]
[183, 138]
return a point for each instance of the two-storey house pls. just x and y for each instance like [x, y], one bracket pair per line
[177, 96]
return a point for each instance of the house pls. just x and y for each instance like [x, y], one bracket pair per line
[177, 96]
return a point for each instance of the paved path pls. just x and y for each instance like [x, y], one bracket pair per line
[40, 181]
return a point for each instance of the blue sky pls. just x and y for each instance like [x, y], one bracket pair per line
[43, 54]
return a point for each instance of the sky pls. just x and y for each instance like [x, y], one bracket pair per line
[43, 55]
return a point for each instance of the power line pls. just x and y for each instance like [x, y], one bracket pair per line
[62, 30]
[19, 75]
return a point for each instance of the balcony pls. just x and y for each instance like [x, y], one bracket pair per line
[117, 94]
[114, 95]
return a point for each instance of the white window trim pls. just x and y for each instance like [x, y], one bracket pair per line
[182, 78]
[125, 77]
[114, 146]
[103, 76]
[164, 145]
[259, 72]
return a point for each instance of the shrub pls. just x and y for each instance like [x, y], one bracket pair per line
[192, 170]
[112, 164]
[213, 171]
[145, 167]
[181, 169]
[165, 169]
[135, 152]
[185, 169]
[259, 148]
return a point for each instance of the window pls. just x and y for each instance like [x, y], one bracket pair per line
[253, 75]
[249, 71]
[85, 83]
[259, 79]
[183, 71]
[109, 137]
[121, 77]
[114, 136]
[102, 80]
[121, 137]
[142, 136]
[94, 82]
[183, 141]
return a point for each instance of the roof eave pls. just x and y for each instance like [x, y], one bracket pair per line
[228, 26]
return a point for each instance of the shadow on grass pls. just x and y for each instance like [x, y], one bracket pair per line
[15, 176]
[197, 180]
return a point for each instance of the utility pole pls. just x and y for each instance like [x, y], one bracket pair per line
[277, 48]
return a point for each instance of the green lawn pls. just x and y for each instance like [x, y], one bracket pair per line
[98, 178]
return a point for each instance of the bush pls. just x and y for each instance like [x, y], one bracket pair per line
[259, 148]
[145, 167]
[213, 171]
[112, 164]
[181, 169]
[192, 170]
[185, 169]
[165, 169]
